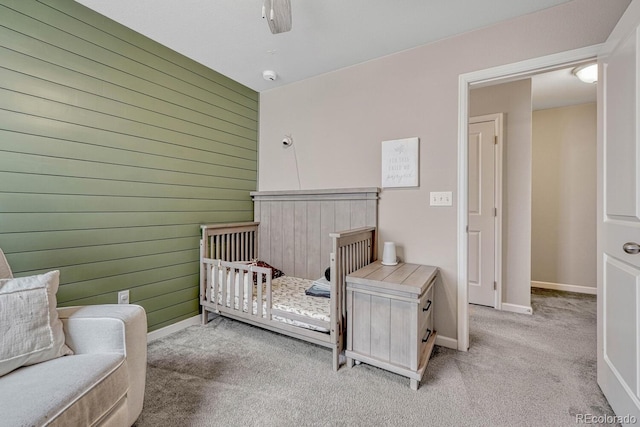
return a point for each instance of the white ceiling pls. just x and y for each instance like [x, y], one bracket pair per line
[231, 37]
[560, 88]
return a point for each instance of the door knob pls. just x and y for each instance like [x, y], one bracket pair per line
[631, 248]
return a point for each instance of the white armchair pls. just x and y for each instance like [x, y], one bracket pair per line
[102, 383]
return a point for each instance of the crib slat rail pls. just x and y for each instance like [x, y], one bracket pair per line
[229, 242]
[227, 281]
[352, 250]
[234, 282]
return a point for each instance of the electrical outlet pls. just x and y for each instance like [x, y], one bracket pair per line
[123, 297]
[441, 198]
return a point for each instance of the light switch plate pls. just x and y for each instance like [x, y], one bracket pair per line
[441, 198]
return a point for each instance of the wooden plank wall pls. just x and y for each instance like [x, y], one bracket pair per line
[295, 225]
[113, 151]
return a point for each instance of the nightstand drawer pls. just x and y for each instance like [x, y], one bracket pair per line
[425, 306]
[425, 332]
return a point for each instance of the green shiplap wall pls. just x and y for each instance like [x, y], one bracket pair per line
[113, 151]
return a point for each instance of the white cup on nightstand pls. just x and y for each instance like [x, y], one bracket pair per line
[389, 254]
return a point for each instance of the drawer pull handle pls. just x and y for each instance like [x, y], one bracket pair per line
[428, 306]
[426, 337]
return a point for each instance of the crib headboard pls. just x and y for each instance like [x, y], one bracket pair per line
[295, 225]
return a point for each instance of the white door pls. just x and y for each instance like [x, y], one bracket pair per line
[619, 221]
[482, 211]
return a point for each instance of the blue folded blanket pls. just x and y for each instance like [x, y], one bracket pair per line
[319, 288]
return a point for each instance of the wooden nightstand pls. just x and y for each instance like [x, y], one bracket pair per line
[390, 317]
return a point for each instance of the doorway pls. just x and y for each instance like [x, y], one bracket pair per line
[502, 74]
[550, 189]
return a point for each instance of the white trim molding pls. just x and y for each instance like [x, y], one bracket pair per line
[447, 342]
[495, 75]
[175, 327]
[515, 308]
[563, 287]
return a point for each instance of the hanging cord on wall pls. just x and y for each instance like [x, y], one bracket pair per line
[287, 142]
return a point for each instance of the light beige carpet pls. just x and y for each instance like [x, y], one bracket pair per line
[521, 370]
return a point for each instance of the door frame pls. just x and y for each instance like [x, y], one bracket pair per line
[487, 77]
[498, 123]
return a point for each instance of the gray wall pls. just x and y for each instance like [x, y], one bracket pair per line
[113, 150]
[564, 196]
[513, 99]
[339, 119]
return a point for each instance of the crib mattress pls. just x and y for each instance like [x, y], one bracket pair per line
[287, 294]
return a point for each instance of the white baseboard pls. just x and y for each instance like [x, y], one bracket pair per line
[175, 327]
[447, 342]
[567, 288]
[515, 308]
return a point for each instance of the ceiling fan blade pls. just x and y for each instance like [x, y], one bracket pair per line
[279, 16]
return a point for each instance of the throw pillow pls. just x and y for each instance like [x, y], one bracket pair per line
[30, 330]
[275, 273]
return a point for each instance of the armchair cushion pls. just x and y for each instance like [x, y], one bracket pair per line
[30, 331]
[76, 390]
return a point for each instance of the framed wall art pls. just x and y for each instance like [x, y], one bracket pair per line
[400, 163]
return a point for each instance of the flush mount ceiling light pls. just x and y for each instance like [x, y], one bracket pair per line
[587, 73]
[278, 14]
